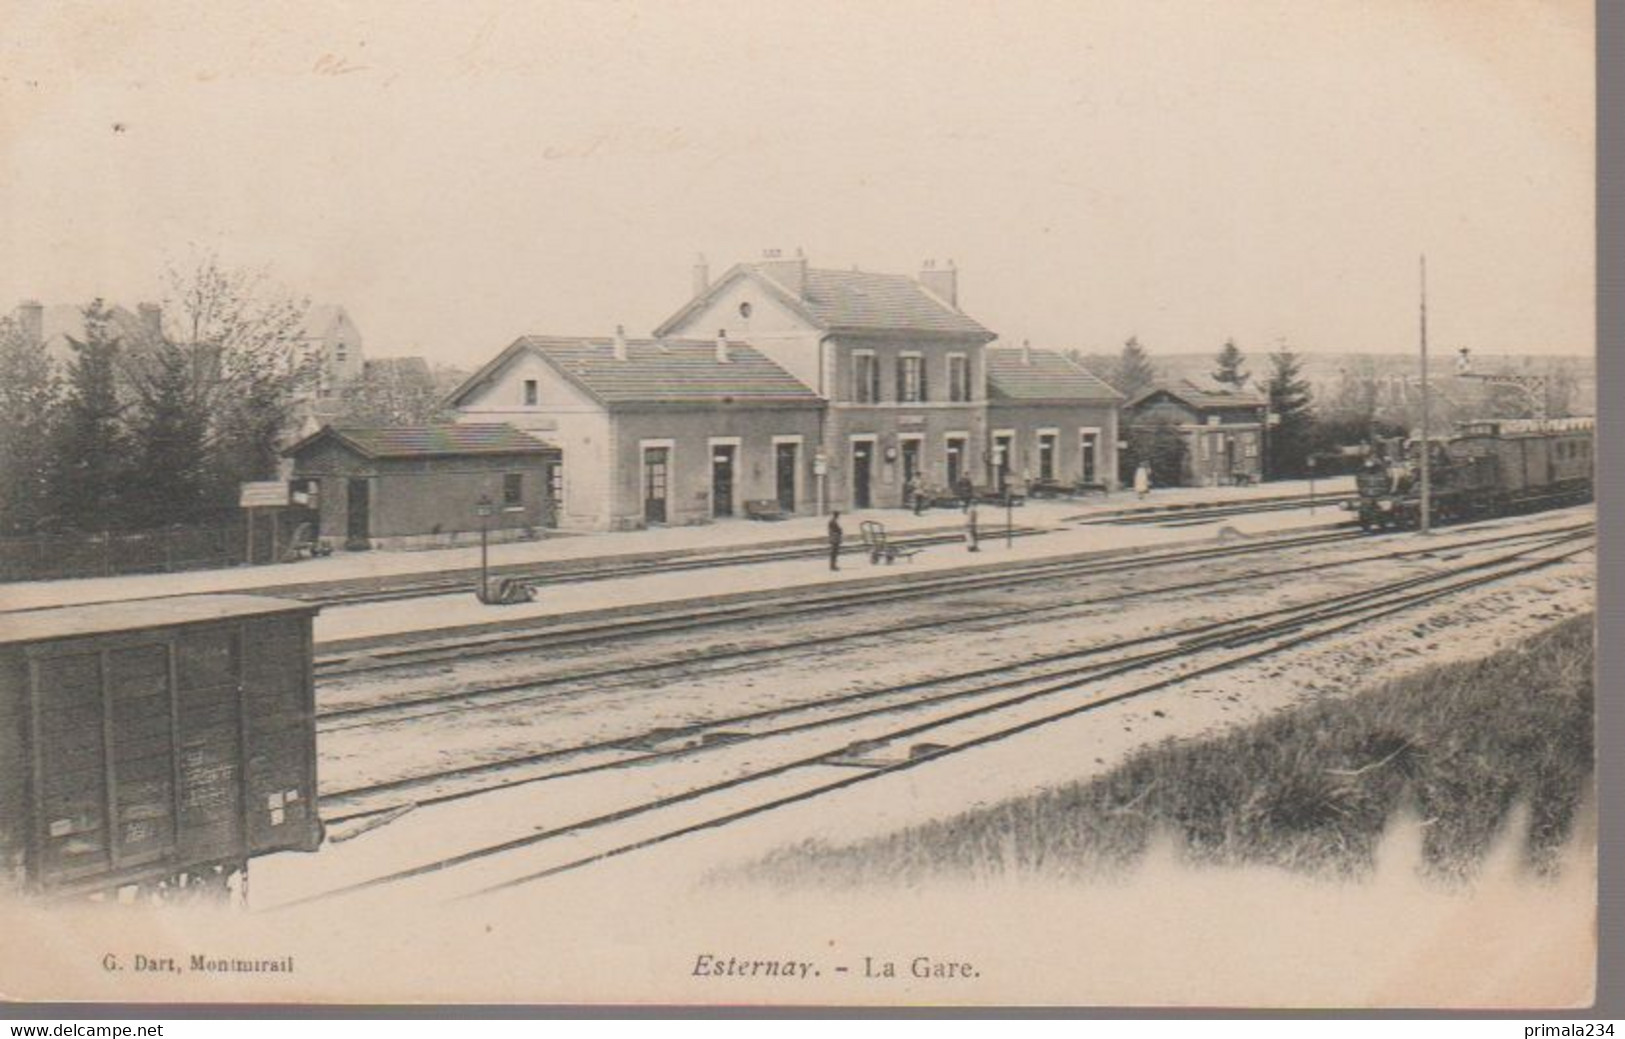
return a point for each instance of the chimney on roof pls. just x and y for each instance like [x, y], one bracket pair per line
[942, 281]
[722, 346]
[702, 275]
[152, 320]
[620, 342]
[792, 273]
[1027, 353]
[31, 321]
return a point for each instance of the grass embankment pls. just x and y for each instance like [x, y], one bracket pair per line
[1312, 789]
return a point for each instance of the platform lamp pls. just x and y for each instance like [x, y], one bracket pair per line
[484, 508]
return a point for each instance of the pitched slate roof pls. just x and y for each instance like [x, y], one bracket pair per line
[851, 301]
[1205, 397]
[1043, 375]
[429, 441]
[672, 371]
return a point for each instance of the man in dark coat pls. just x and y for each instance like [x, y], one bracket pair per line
[835, 535]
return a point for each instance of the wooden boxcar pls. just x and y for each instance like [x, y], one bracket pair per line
[154, 745]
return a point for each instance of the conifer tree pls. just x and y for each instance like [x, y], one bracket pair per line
[169, 430]
[1135, 371]
[30, 390]
[1292, 436]
[92, 473]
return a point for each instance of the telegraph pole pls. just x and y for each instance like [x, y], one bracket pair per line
[1427, 488]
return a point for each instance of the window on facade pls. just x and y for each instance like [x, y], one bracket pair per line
[1046, 457]
[911, 378]
[865, 378]
[513, 490]
[958, 377]
[530, 391]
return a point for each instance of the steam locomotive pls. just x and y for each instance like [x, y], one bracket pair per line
[1489, 468]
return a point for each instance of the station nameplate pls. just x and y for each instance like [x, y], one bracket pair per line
[263, 494]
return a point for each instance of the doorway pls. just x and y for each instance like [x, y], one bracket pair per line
[911, 460]
[863, 464]
[785, 459]
[956, 462]
[553, 489]
[1089, 443]
[722, 480]
[656, 474]
[358, 523]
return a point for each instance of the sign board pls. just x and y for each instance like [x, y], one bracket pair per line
[820, 464]
[910, 421]
[263, 494]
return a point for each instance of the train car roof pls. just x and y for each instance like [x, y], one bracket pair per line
[62, 622]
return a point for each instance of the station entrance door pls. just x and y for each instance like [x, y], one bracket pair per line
[656, 475]
[863, 464]
[785, 459]
[722, 480]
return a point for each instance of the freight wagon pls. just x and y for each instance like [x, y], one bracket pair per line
[1489, 468]
[149, 748]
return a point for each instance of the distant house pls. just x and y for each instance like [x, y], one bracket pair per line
[899, 366]
[398, 486]
[653, 431]
[328, 330]
[52, 326]
[1222, 428]
[1052, 422]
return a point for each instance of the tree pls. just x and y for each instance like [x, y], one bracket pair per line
[91, 473]
[393, 391]
[1160, 444]
[1291, 438]
[1134, 371]
[170, 432]
[30, 390]
[250, 364]
[1229, 362]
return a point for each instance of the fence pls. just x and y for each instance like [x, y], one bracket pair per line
[46, 557]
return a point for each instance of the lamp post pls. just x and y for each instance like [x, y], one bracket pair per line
[1427, 482]
[1311, 485]
[483, 508]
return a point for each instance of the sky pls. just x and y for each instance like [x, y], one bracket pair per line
[457, 175]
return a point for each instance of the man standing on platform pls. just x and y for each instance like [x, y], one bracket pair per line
[835, 535]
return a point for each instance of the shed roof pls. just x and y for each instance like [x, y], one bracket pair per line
[430, 441]
[850, 301]
[1043, 375]
[671, 371]
[1204, 398]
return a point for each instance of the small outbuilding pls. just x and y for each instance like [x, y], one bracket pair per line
[406, 486]
[1219, 431]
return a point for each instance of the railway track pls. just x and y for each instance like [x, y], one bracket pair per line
[1195, 513]
[987, 711]
[458, 582]
[441, 646]
[511, 693]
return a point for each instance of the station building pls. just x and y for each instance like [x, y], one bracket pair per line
[1222, 429]
[655, 431]
[1052, 424]
[405, 486]
[899, 369]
